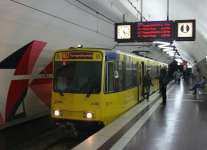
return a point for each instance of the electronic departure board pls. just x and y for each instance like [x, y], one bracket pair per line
[178, 30]
[154, 30]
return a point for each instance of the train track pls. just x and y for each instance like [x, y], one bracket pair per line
[56, 139]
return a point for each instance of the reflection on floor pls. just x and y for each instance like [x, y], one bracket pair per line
[180, 125]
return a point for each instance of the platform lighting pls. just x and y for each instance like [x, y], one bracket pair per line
[171, 53]
[80, 46]
[179, 60]
[166, 50]
[189, 65]
[176, 57]
[162, 43]
[165, 47]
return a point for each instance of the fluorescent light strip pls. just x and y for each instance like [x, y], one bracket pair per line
[160, 42]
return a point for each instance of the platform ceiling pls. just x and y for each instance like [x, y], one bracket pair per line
[65, 23]
[156, 10]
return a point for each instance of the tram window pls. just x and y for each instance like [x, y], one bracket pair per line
[134, 75]
[158, 71]
[153, 72]
[130, 73]
[109, 81]
[121, 76]
[127, 75]
[110, 77]
[78, 77]
[124, 75]
[61, 82]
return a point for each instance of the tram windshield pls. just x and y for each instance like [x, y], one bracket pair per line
[77, 77]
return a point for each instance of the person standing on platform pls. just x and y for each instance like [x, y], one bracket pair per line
[164, 79]
[147, 83]
[177, 75]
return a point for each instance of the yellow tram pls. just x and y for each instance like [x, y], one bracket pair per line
[97, 85]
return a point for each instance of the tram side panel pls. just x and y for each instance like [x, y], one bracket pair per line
[120, 89]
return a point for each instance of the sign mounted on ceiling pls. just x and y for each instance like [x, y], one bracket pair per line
[154, 31]
[179, 30]
[185, 30]
[124, 32]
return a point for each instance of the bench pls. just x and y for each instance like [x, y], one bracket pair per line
[202, 90]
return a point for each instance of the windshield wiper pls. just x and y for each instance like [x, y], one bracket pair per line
[91, 82]
[89, 92]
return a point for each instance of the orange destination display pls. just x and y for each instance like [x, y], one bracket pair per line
[78, 55]
[154, 30]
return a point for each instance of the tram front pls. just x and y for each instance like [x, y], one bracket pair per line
[77, 81]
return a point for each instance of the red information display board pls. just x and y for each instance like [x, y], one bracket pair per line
[154, 31]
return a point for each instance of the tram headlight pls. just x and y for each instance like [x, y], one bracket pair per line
[89, 115]
[57, 113]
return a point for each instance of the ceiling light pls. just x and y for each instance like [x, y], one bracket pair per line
[171, 53]
[80, 46]
[167, 49]
[165, 46]
[179, 60]
[161, 42]
[176, 56]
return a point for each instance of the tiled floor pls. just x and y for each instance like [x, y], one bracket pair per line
[180, 125]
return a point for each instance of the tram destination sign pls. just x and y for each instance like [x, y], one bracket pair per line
[154, 31]
[77, 55]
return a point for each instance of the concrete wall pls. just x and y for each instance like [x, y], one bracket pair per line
[202, 65]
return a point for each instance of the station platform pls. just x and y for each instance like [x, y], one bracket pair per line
[181, 124]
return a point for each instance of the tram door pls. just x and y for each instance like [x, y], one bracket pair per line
[139, 71]
[138, 83]
[109, 81]
[141, 79]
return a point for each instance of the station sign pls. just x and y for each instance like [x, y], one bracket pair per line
[185, 30]
[154, 31]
